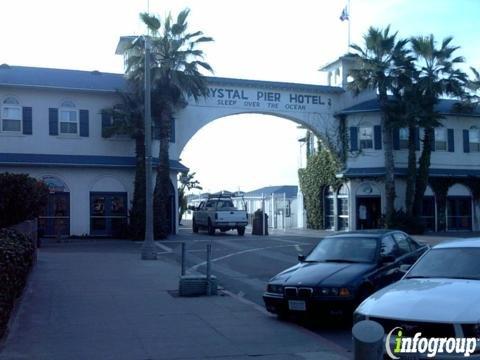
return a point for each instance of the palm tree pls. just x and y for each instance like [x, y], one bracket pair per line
[187, 182]
[376, 63]
[176, 61]
[127, 119]
[437, 76]
[404, 113]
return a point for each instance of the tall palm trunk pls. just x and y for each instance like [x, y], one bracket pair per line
[137, 213]
[423, 169]
[411, 169]
[387, 134]
[162, 194]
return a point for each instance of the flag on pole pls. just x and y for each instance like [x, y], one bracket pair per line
[344, 15]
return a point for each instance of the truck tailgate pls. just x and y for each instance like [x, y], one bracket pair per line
[231, 216]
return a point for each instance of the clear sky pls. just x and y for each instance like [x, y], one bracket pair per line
[264, 40]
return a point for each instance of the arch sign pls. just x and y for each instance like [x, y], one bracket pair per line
[312, 106]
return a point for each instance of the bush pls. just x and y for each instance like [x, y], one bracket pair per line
[16, 260]
[21, 198]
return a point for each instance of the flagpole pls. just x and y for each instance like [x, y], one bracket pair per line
[349, 20]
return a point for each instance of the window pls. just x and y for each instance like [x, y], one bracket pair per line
[366, 137]
[329, 209]
[388, 247]
[11, 115]
[403, 243]
[68, 117]
[474, 139]
[440, 139]
[403, 138]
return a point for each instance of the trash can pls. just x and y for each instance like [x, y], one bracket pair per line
[257, 223]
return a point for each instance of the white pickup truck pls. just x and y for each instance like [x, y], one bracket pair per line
[219, 213]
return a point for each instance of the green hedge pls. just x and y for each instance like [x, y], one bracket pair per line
[16, 260]
[21, 198]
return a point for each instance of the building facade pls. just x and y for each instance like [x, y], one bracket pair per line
[451, 200]
[51, 127]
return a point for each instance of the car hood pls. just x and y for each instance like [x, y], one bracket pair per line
[321, 273]
[430, 300]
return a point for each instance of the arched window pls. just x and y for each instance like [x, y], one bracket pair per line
[329, 208]
[11, 115]
[68, 118]
[342, 206]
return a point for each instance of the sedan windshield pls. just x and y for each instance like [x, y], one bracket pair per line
[455, 263]
[344, 249]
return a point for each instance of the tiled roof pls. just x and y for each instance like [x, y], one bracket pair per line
[444, 107]
[290, 191]
[60, 79]
[109, 82]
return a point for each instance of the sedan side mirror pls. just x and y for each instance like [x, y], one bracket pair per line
[387, 259]
[301, 258]
[191, 207]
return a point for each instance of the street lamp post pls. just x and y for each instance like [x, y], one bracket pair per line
[148, 248]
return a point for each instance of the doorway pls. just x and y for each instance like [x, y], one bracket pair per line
[55, 217]
[459, 213]
[108, 213]
[368, 212]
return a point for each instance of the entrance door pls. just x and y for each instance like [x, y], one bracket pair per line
[55, 218]
[459, 213]
[108, 213]
[368, 212]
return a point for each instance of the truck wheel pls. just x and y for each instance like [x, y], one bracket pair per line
[241, 230]
[211, 229]
[194, 226]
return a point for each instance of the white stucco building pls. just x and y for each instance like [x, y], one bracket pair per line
[51, 128]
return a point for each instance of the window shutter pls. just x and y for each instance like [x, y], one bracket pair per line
[84, 123]
[451, 140]
[417, 139]
[466, 141]
[396, 139]
[377, 136]
[353, 138]
[172, 130]
[106, 123]
[53, 121]
[27, 120]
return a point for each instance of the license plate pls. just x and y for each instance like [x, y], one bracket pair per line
[297, 305]
[231, 224]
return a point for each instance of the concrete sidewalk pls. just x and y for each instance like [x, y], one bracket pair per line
[98, 300]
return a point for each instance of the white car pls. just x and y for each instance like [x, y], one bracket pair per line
[439, 296]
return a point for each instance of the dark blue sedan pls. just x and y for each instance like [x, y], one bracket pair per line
[341, 271]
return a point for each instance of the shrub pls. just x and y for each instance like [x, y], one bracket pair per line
[16, 260]
[21, 198]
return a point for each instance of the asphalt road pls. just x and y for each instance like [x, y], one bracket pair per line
[243, 265]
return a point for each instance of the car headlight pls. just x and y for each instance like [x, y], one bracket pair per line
[273, 288]
[334, 291]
